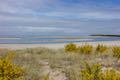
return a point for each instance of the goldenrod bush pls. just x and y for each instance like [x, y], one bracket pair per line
[110, 74]
[101, 48]
[91, 72]
[116, 51]
[95, 72]
[8, 70]
[71, 47]
[85, 49]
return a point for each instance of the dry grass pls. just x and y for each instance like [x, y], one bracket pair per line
[116, 51]
[39, 62]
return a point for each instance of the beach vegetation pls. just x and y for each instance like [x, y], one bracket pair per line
[91, 72]
[72, 74]
[71, 48]
[46, 77]
[116, 51]
[8, 70]
[110, 74]
[101, 48]
[56, 64]
[85, 49]
[95, 72]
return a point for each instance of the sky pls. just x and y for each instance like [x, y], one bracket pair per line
[59, 17]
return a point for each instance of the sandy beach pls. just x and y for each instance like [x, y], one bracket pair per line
[55, 46]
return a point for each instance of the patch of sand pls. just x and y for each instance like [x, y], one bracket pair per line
[55, 46]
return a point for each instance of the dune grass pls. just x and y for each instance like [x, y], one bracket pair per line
[51, 64]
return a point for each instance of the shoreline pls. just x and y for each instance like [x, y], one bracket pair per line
[56, 45]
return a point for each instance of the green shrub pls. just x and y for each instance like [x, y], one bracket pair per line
[85, 49]
[101, 48]
[8, 70]
[71, 47]
[116, 51]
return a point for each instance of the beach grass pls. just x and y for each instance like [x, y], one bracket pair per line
[59, 64]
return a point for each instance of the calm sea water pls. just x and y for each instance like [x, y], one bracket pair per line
[51, 39]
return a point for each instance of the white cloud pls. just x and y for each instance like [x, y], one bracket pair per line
[56, 17]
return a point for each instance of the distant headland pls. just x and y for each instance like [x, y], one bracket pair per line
[106, 35]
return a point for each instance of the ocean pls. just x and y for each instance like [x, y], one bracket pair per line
[54, 39]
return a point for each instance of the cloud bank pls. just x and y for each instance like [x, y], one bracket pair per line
[62, 17]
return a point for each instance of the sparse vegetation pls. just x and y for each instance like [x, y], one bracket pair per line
[95, 72]
[101, 48]
[91, 72]
[71, 48]
[110, 74]
[8, 70]
[51, 64]
[116, 51]
[85, 49]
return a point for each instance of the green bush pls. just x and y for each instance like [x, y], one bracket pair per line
[85, 49]
[8, 70]
[101, 48]
[71, 47]
[116, 51]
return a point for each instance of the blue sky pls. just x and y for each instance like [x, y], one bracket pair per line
[59, 17]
